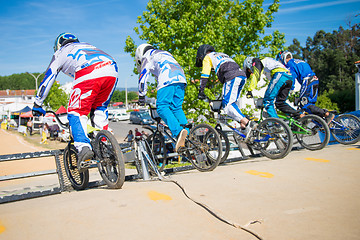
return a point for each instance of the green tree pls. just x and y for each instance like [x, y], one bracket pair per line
[56, 97]
[332, 56]
[17, 81]
[119, 96]
[181, 26]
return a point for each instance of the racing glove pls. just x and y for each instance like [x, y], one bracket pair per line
[38, 110]
[249, 94]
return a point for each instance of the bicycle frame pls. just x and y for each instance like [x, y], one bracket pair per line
[223, 119]
[293, 122]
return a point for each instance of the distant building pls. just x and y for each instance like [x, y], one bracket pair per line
[15, 100]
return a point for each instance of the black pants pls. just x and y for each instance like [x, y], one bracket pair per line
[281, 98]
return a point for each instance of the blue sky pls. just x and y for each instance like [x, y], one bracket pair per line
[29, 28]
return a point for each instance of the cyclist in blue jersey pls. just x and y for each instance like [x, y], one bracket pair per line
[95, 76]
[231, 76]
[171, 84]
[302, 72]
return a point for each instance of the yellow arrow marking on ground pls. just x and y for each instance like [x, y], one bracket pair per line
[2, 229]
[260, 174]
[353, 148]
[155, 196]
[317, 159]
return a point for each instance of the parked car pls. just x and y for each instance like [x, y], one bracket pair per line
[141, 117]
[120, 117]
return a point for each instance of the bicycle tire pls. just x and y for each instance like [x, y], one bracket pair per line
[203, 147]
[111, 160]
[273, 138]
[225, 145]
[157, 146]
[351, 133]
[320, 132]
[79, 181]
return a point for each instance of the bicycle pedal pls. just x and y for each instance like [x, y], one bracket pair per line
[87, 163]
[181, 150]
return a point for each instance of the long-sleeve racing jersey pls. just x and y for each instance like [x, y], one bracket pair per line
[225, 68]
[69, 59]
[163, 66]
[259, 66]
[299, 70]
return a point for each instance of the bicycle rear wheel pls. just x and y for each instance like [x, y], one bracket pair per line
[79, 181]
[111, 160]
[203, 147]
[346, 129]
[158, 149]
[315, 133]
[273, 138]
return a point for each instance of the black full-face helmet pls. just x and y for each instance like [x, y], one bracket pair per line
[201, 53]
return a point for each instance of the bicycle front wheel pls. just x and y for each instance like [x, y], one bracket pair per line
[79, 181]
[225, 145]
[204, 147]
[314, 133]
[111, 160]
[346, 129]
[273, 138]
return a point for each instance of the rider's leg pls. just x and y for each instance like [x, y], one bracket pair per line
[231, 92]
[100, 118]
[169, 102]
[271, 92]
[169, 107]
[283, 95]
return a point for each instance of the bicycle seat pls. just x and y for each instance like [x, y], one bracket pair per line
[216, 105]
[259, 103]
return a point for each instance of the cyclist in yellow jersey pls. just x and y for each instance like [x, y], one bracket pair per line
[232, 78]
[278, 88]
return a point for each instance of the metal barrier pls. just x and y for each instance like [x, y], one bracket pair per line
[19, 194]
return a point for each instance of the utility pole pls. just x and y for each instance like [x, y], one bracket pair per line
[36, 78]
[357, 87]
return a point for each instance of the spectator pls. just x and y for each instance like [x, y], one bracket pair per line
[30, 125]
[137, 133]
[143, 133]
[129, 137]
[44, 133]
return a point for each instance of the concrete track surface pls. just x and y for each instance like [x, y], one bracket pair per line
[307, 195]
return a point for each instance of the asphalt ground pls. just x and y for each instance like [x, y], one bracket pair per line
[307, 195]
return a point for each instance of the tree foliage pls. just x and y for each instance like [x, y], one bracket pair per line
[332, 57]
[181, 26]
[119, 96]
[22, 81]
[56, 97]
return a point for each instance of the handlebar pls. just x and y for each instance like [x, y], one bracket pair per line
[64, 125]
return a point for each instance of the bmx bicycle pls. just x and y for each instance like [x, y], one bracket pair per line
[202, 146]
[107, 156]
[345, 128]
[311, 131]
[272, 136]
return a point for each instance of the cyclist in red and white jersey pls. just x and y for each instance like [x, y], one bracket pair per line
[95, 76]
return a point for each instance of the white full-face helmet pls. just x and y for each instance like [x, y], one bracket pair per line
[283, 55]
[248, 63]
[139, 54]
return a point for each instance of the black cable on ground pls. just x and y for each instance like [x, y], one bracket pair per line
[212, 212]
